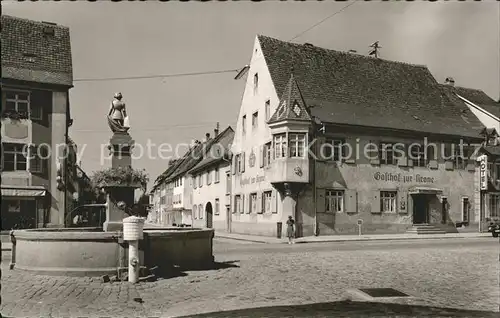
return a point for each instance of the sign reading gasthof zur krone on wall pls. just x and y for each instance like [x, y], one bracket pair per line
[483, 172]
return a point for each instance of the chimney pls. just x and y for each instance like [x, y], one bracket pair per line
[207, 136]
[216, 130]
[449, 81]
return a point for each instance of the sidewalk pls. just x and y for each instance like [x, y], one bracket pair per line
[348, 238]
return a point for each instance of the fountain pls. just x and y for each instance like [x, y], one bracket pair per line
[96, 251]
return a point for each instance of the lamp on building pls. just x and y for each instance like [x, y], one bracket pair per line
[75, 196]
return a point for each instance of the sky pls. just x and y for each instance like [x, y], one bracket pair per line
[129, 39]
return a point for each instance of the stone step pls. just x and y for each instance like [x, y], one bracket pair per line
[425, 229]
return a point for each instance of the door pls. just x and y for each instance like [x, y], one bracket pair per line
[465, 210]
[420, 209]
[208, 210]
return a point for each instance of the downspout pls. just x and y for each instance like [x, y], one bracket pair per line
[66, 155]
[315, 193]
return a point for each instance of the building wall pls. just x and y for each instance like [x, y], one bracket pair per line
[207, 195]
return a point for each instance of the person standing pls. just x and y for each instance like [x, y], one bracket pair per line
[290, 230]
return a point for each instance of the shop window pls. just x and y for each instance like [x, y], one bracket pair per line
[14, 157]
[388, 201]
[386, 154]
[297, 143]
[334, 201]
[494, 205]
[280, 146]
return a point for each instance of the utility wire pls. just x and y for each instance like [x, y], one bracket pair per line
[152, 76]
[328, 17]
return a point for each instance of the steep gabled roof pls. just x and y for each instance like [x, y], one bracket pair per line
[35, 51]
[352, 89]
[218, 150]
[479, 98]
[292, 105]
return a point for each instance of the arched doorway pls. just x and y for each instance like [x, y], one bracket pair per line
[208, 210]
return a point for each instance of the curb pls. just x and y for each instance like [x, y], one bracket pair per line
[247, 240]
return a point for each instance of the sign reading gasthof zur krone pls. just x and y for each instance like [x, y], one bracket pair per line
[483, 172]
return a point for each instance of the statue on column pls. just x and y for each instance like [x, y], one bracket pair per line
[117, 116]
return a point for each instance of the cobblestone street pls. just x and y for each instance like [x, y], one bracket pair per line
[446, 274]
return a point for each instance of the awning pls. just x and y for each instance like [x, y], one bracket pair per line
[24, 192]
[425, 190]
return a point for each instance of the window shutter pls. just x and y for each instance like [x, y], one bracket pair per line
[350, 144]
[262, 159]
[234, 164]
[234, 204]
[242, 162]
[320, 201]
[351, 201]
[402, 202]
[274, 202]
[242, 203]
[375, 201]
[249, 204]
[259, 203]
[374, 156]
[402, 156]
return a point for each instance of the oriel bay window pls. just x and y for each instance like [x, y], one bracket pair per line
[14, 157]
[297, 142]
[388, 201]
[334, 201]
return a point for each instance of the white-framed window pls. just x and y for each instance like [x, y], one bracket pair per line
[243, 124]
[217, 175]
[194, 182]
[253, 203]
[266, 201]
[200, 180]
[418, 156]
[333, 149]
[201, 212]
[268, 109]
[19, 101]
[237, 204]
[386, 153]
[38, 159]
[15, 157]
[217, 207]
[297, 142]
[239, 163]
[255, 120]
[228, 182]
[280, 146]
[209, 177]
[267, 154]
[195, 211]
[334, 201]
[388, 201]
[494, 205]
[461, 156]
[180, 181]
[255, 83]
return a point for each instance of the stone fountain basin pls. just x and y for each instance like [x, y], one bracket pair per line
[92, 252]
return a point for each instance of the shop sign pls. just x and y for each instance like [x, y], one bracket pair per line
[252, 180]
[483, 172]
[401, 178]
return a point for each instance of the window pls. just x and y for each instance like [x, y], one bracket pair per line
[267, 154]
[280, 146]
[228, 182]
[239, 163]
[297, 145]
[237, 204]
[386, 154]
[200, 180]
[253, 203]
[334, 149]
[255, 120]
[497, 171]
[180, 181]
[216, 207]
[256, 83]
[461, 156]
[38, 159]
[194, 182]
[266, 199]
[201, 212]
[418, 156]
[195, 212]
[334, 201]
[216, 175]
[14, 157]
[19, 102]
[388, 201]
[243, 124]
[268, 109]
[494, 205]
[209, 177]
[13, 206]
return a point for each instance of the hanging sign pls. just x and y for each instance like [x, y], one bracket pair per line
[483, 172]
